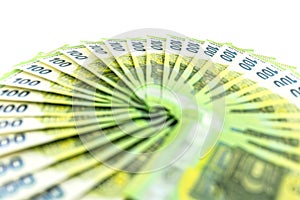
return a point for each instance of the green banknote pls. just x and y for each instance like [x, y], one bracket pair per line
[174, 46]
[17, 124]
[154, 69]
[231, 172]
[137, 48]
[26, 109]
[9, 93]
[22, 79]
[14, 142]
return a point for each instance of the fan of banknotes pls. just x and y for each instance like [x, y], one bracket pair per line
[150, 117]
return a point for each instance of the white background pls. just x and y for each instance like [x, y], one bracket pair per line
[30, 26]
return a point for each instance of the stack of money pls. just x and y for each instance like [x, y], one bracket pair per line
[150, 117]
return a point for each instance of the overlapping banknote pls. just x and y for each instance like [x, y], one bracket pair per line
[150, 117]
